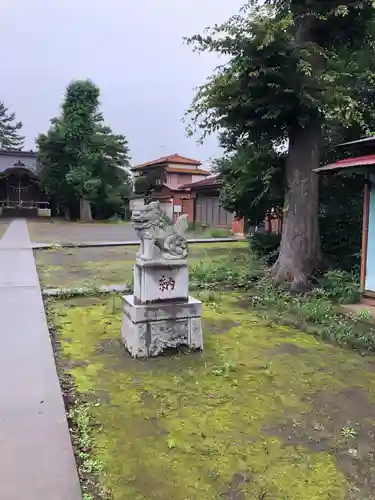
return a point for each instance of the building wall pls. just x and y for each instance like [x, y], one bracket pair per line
[136, 201]
[196, 178]
[204, 208]
[273, 224]
[238, 226]
[175, 180]
[188, 208]
[209, 212]
[167, 207]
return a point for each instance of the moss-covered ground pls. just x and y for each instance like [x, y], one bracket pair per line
[111, 265]
[265, 412]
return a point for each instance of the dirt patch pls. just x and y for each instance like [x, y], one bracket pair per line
[235, 490]
[245, 304]
[107, 346]
[219, 326]
[69, 365]
[289, 348]
[349, 405]
[343, 424]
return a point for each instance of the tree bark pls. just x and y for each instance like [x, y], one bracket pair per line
[85, 210]
[300, 248]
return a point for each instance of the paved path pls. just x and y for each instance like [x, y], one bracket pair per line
[36, 457]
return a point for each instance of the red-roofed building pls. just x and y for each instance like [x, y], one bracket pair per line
[168, 174]
[175, 159]
[172, 171]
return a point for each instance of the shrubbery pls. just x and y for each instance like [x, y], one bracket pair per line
[265, 245]
[318, 312]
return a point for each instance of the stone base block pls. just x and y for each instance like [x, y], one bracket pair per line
[156, 281]
[150, 329]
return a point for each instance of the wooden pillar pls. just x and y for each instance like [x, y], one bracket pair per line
[238, 227]
[366, 211]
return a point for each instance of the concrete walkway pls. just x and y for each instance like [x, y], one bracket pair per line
[36, 456]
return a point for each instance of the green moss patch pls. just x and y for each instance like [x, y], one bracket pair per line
[111, 265]
[264, 412]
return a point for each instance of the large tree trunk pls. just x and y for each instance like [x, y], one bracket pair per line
[85, 210]
[300, 249]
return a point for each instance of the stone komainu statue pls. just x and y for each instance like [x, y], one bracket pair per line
[156, 231]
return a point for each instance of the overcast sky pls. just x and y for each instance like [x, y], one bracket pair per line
[132, 49]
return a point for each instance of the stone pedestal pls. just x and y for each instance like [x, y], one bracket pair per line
[161, 315]
[150, 329]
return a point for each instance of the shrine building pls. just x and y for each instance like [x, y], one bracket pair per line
[20, 193]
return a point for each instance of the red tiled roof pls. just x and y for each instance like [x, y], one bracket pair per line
[213, 181]
[175, 158]
[359, 161]
[194, 171]
[164, 185]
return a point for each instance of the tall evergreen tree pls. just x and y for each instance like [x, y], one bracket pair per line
[9, 130]
[296, 68]
[82, 158]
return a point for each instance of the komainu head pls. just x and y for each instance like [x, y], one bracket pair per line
[146, 216]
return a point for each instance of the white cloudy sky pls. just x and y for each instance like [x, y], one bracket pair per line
[132, 49]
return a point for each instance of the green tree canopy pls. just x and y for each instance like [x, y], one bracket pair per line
[142, 185]
[81, 157]
[297, 71]
[9, 130]
[253, 181]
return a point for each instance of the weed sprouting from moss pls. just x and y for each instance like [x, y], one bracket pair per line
[348, 432]
[363, 315]
[80, 416]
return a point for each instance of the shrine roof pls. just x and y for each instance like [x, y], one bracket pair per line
[359, 161]
[18, 159]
